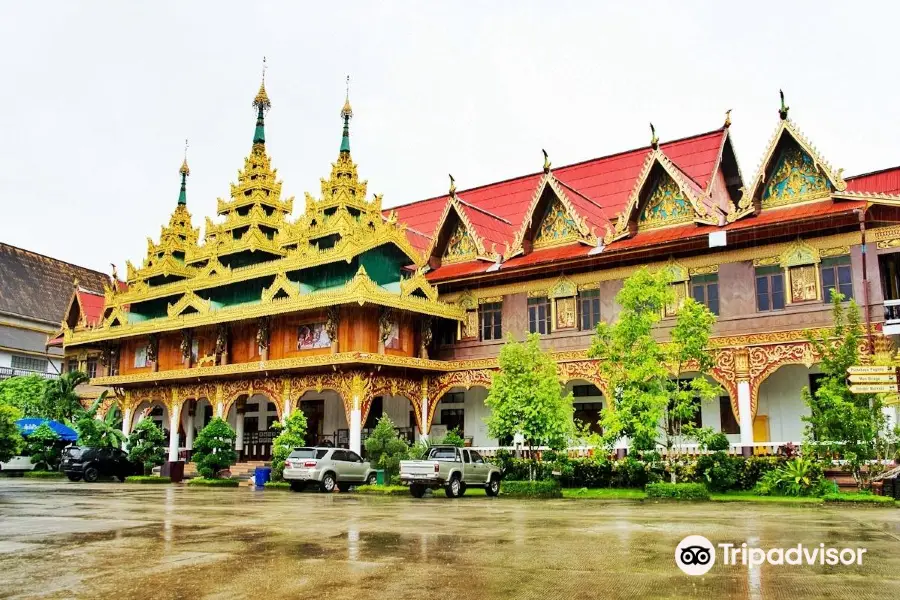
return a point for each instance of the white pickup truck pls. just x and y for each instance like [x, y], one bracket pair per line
[451, 468]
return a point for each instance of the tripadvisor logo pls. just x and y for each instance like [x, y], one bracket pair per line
[695, 555]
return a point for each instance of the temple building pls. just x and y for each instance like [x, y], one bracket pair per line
[349, 309]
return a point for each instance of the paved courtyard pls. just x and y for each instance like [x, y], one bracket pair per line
[109, 540]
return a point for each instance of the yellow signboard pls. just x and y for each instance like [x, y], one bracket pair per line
[889, 378]
[873, 388]
[866, 370]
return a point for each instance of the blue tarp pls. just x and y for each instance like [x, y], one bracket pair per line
[27, 426]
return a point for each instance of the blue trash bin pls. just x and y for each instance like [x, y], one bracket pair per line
[261, 475]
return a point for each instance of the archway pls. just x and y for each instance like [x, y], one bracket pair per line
[780, 406]
[588, 401]
[462, 409]
[326, 418]
[252, 418]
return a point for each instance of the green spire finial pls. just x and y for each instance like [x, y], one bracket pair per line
[346, 114]
[185, 171]
[262, 104]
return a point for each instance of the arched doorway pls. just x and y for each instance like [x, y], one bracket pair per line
[399, 410]
[464, 410]
[252, 418]
[588, 403]
[326, 418]
[780, 405]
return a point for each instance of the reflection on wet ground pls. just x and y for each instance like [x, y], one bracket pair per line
[63, 540]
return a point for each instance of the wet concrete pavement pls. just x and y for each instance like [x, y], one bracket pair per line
[110, 540]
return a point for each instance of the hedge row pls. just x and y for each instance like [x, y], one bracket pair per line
[677, 491]
[719, 471]
[201, 481]
[43, 474]
[277, 485]
[547, 488]
[859, 499]
[383, 490]
[147, 479]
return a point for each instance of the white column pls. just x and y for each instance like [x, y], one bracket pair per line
[745, 413]
[423, 434]
[286, 411]
[173, 434]
[189, 430]
[220, 409]
[239, 429]
[356, 426]
[126, 426]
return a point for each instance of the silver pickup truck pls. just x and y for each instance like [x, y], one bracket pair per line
[450, 468]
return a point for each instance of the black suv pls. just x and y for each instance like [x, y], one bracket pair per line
[80, 462]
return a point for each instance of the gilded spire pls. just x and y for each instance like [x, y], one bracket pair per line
[184, 171]
[346, 115]
[546, 161]
[262, 104]
[452, 191]
[783, 111]
[727, 119]
[654, 139]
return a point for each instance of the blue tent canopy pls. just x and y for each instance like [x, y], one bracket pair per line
[27, 427]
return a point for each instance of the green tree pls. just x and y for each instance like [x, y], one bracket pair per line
[43, 446]
[94, 432]
[654, 404]
[526, 397]
[293, 435]
[385, 449]
[214, 448]
[10, 438]
[25, 393]
[147, 445]
[61, 401]
[841, 423]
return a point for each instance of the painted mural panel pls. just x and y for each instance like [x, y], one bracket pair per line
[796, 178]
[312, 335]
[665, 206]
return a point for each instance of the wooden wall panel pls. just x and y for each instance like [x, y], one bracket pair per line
[358, 329]
[243, 344]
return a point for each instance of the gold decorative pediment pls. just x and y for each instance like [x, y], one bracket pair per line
[563, 288]
[420, 283]
[189, 300]
[281, 284]
[467, 301]
[799, 253]
[676, 272]
[116, 318]
[666, 206]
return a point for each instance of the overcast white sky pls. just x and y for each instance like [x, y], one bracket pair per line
[97, 97]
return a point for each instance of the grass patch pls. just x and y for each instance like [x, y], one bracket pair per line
[605, 493]
[531, 489]
[677, 491]
[147, 479]
[203, 482]
[277, 485]
[383, 490]
[751, 497]
[858, 499]
[43, 475]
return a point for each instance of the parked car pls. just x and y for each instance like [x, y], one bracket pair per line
[81, 462]
[328, 468]
[17, 464]
[451, 468]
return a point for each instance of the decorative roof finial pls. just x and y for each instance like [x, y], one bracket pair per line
[452, 187]
[262, 104]
[346, 115]
[783, 111]
[185, 171]
[546, 161]
[654, 139]
[727, 118]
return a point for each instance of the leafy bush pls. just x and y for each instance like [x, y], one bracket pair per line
[147, 445]
[859, 499]
[753, 468]
[717, 442]
[292, 435]
[43, 446]
[630, 472]
[677, 491]
[93, 432]
[214, 449]
[531, 489]
[383, 490]
[26, 393]
[452, 439]
[203, 481]
[43, 474]
[797, 477]
[719, 471]
[10, 438]
[277, 485]
[147, 478]
[384, 448]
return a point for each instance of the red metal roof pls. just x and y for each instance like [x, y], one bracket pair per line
[92, 305]
[886, 181]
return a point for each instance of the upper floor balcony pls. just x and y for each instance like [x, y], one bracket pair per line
[7, 372]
